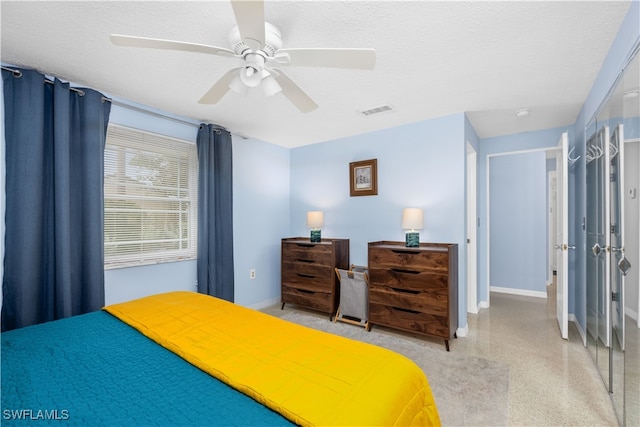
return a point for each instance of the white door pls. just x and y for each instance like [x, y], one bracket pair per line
[472, 231]
[562, 235]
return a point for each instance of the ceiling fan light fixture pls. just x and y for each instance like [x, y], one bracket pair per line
[251, 73]
[238, 86]
[270, 86]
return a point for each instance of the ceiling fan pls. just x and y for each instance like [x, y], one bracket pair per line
[259, 45]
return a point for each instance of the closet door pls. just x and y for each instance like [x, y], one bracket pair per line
[619, 263]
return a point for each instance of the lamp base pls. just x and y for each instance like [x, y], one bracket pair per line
[412, 239]
[315, 236]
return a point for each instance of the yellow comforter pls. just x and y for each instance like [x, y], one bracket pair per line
[310, 377]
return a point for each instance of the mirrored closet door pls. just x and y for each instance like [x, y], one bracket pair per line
[612, 239]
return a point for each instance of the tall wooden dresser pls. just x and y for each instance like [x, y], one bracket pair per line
[414, 289]
[308, 272]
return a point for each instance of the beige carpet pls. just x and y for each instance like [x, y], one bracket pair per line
[469, 391]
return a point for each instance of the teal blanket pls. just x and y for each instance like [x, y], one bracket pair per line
[94, 370]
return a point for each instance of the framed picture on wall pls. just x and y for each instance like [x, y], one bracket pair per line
[363, 177]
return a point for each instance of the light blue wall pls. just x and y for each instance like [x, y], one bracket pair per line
[260, 218]
[628, 36]
[419, 165]
[500, 145]
[518, 200]
[124, 284]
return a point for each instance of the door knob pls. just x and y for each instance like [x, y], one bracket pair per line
[596, 249]
[624, 265]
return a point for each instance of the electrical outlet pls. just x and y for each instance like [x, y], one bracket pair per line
[252, 273]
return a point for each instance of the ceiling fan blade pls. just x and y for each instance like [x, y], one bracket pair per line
[220, 88]
[250, 19]
[360, 59]
[134, 41]
[293, 92]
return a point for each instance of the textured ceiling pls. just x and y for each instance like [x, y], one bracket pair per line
[433, 59]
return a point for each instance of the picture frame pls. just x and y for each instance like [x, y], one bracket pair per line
[363, 178]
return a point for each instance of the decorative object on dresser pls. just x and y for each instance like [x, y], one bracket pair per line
[414, 289]
[363, 178]
[412, 220]
[308, 272]
[315, 221]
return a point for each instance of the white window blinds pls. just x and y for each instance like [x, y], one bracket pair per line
[150, 197]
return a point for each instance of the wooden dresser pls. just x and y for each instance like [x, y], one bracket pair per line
[308, 272]
[414, 289]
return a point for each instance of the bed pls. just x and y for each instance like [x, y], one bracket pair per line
[183, 358]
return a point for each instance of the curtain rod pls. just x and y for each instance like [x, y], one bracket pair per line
[18, 74]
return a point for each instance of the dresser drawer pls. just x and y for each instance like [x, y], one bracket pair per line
[321, 301]
[431, 301]
[310, 277]
[407, 258]
[305, 253]
[409, 279]
[410, 320]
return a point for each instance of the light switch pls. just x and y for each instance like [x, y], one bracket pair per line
[632, 193]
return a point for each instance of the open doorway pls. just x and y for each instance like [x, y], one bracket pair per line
[522, 238]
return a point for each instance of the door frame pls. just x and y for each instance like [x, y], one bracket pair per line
[488, 205]
[472, 230]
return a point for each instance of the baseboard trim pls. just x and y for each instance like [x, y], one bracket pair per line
[265, 304]
[631, 314]
[483, 304]
[521, 292]
[583, 335]
[463, 332]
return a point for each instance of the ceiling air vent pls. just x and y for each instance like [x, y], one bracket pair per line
[377, 110]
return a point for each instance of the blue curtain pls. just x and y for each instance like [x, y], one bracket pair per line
[54, 251]
[215, 213]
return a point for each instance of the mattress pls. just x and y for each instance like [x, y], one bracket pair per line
[308, 376]
[183, 358]
[95, 370]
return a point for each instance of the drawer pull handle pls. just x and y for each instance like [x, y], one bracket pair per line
[406, 291]
[308, 261]
[304, 291]
[400, 270]
[406, 310]
[308, 276]
[306, 245]
[404, 251]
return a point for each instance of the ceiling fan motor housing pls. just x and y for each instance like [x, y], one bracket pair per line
[272, 41]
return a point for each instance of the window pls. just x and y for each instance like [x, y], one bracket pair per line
[150, 198]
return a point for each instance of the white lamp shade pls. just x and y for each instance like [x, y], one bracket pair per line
[270, 85]
[238, 87]
[315, 219]
[412, 219]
